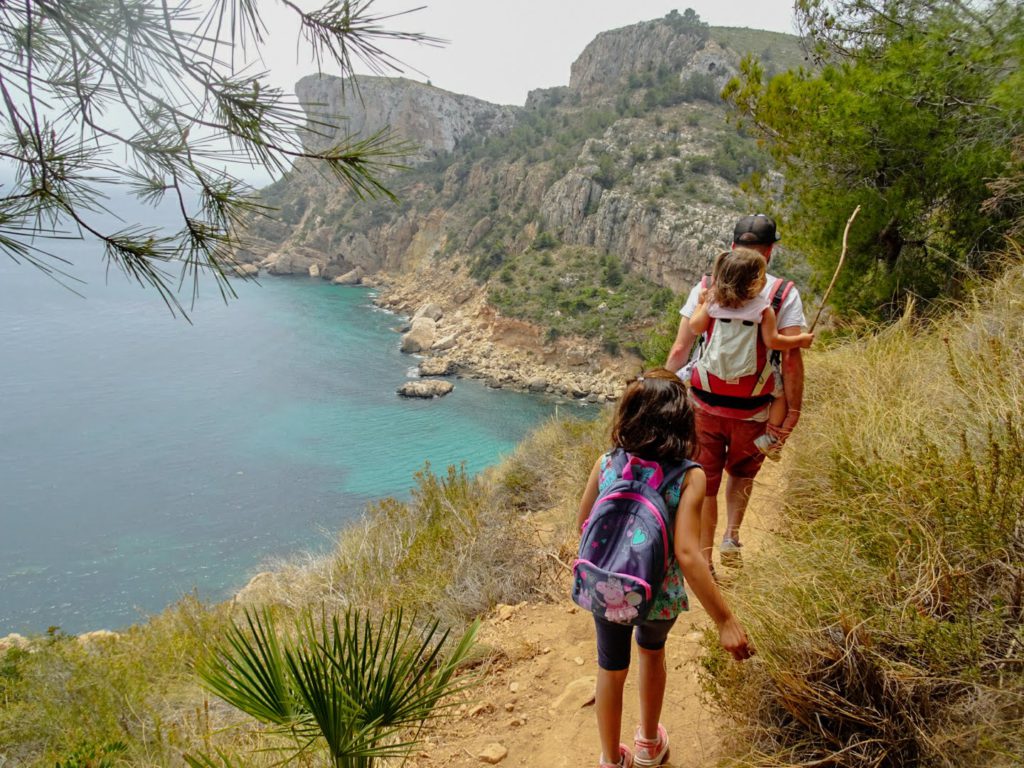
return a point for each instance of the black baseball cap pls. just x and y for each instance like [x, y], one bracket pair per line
[755, 230]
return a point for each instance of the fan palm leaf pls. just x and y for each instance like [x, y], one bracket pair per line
[350, 683]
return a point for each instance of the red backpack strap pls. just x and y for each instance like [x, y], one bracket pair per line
[780, 290]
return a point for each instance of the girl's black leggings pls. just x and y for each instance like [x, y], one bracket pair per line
[614, 641]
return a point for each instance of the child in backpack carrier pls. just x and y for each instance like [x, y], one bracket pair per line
[653, 438]
[735, 297]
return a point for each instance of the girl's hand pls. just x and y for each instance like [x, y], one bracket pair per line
[702, 297]
[734, 639]
[806, 339]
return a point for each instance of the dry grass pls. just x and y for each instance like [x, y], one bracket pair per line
[462, 544]
[889, 617]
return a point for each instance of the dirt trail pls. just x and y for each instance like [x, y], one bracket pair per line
[534, 705]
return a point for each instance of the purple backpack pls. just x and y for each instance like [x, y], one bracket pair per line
[626, 542]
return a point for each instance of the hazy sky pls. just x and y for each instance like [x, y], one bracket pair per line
[499, 50]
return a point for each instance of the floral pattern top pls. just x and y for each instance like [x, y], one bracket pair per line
[671, 599]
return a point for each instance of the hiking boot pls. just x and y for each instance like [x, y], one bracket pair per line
[769, 445]
[625, 759]
[650, 753]
[729, 552]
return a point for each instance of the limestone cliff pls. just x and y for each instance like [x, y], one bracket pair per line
[614, 55]
[570, 213]
[434, 120]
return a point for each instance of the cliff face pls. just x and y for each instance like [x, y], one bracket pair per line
[436, 121]
[633, 161]
[618, 53]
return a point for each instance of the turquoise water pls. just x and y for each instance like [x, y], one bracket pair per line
[142, 458]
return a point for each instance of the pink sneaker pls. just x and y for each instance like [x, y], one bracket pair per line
[625, 759]
[651, 752]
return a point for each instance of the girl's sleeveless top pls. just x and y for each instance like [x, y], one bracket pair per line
[671, 599]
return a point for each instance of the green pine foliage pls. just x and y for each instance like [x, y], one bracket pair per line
[911, 115]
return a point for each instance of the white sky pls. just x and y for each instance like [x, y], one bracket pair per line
[499, 50]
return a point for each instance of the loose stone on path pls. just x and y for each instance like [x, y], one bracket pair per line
[493, 753]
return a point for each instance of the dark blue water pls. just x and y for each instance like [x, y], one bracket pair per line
[142, 458]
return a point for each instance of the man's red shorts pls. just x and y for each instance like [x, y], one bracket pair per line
[728, 444]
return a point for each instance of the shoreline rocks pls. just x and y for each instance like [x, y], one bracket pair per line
[425, 388]
[460, 334]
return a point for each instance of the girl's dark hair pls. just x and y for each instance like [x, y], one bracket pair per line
[654, 419]
[736, 274]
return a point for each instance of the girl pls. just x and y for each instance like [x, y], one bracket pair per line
[738, 280]
[654, 422]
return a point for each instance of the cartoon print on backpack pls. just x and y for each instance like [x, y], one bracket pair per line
[620, 606]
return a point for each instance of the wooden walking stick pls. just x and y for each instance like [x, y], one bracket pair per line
[839, 266]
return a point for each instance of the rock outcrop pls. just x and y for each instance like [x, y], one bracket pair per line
[504, 353]
[433, 119]
[420, 336]
[617, 53]
[426, 388]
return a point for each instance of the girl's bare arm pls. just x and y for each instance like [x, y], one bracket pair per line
[695, 567]
[774, 340]
[700, 319]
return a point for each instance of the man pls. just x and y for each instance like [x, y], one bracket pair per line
[726, 428]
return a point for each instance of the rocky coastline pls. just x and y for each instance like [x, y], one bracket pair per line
[455, 332]
[448, 324]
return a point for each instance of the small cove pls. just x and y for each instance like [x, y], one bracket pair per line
[142, 458]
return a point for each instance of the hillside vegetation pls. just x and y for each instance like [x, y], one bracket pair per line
[890, 620]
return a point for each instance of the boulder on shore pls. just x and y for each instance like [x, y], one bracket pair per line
[537, 384]
[425, 388]
[447, 342]
[436, 366]
[352, 277]
[420, 336]
[433, 311]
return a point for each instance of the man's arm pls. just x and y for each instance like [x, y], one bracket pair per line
[681, 347]
[792, 381]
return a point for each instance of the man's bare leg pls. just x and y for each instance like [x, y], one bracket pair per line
[737, 496]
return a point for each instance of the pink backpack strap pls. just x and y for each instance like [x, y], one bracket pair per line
[657, 474]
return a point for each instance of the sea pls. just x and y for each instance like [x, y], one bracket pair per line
[144, 457]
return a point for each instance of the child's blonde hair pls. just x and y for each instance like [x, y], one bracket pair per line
[737, 276]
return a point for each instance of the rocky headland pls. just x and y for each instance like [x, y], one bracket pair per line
[633, 162]
[457, 333]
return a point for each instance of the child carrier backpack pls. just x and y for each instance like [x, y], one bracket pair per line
[734, 363]
[626, 542]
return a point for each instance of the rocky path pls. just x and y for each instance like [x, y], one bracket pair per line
[534, 705]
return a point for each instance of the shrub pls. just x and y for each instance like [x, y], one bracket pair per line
[543, 241]
[699, 164]
[700, 86]
[607, 172]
